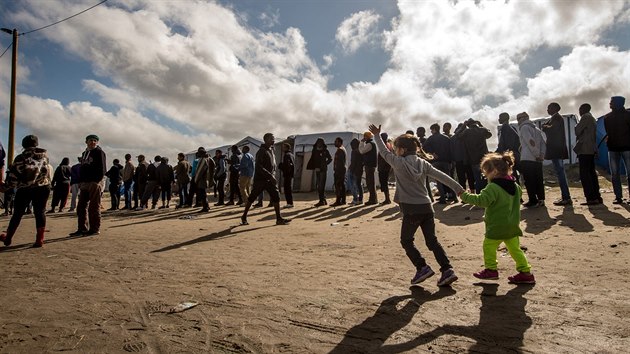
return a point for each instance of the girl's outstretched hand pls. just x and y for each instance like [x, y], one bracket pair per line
[374, 129]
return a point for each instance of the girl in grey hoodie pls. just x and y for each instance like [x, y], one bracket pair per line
[411, 170]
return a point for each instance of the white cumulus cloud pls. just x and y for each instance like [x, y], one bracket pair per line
[357, 30]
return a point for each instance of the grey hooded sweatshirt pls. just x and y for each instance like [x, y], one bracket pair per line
[411, 172]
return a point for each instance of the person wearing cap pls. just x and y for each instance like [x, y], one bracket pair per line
[617, 124]
[128, 173]
[367, 147]
[182, 176]
[140, 181]
[91, 183]
[557, 150]
[319, 161]
[31, 174]
[533, 148]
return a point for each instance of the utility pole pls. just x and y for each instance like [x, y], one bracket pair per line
[14, 32]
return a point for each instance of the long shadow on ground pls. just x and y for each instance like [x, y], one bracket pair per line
[229, 232]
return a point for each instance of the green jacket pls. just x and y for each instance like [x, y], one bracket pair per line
[502, 200]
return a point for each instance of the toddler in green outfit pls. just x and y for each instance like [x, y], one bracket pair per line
[501, 199]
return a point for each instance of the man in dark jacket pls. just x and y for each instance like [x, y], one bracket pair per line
[509, 141]
[474, 139]
[235, 162]
[182, 174]
[370, 161]
[320, 158]
[114, 174]
[439, 145]
[557, 150]
[152, 189]
[617, 124]
[140, 181]
[384, 169]
[339, 173]
[265, 180]
[166, 177]
[462, 168]
[93, 168]
[288, 172]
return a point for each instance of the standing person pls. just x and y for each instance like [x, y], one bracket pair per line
[557, 150]
[339, 173]
[192, 192]
[617, 124]
[74, 184]
[182, 171]
[61, 185]
[115, 181]
[320, 158]
[501, 199]
[355, 172]
[128, 173]
[203, 177]
[30, 173]
[140, 181]
[421, 133]
[265, 179]
[235, 161]
[288, 172]
[246, 172]
[220, 173]
[474, 139]
[368, 149]
[166, 177]
[533, 148]
[509, 141]
[439, 146]
[93, 167]
[411, 170]
[462, 168]
[383, 170]
[152, 189]
[586, 148]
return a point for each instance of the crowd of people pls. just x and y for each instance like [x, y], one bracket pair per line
[460, 164]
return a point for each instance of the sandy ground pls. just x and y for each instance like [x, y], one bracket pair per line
[334, 281]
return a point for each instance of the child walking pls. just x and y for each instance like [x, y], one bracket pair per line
[501, 199]
[411, 170]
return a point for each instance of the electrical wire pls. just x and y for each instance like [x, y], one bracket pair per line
[1, 55]
[65, 19]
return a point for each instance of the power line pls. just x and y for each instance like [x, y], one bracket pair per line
[1, 55]
[65, 19]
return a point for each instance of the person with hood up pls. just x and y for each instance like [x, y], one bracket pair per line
[61, 185]
[533, 148]
[411, 170]
[617, 124]
[501, 198]
[320, 158]
[30, 173]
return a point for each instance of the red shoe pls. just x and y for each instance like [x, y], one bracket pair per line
[522, 278]
[487, 274]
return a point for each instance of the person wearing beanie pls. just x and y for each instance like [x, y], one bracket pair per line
[368, 149]
[557, 150]
[31, 175]
[617, 124]
[91, 183]
[533, 148]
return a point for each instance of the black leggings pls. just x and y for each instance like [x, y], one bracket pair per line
[23, 197]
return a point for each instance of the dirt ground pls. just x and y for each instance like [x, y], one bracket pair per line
[336, 280]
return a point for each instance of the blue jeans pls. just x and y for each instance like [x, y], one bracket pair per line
[558, 166]
[614, 160]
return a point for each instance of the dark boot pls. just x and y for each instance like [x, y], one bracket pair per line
[39, 238]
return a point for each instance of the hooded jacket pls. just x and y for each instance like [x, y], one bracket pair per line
[320, 158]
[533, 143]
[617, 124]
[502, 200]
[31, 168]
[411, 172]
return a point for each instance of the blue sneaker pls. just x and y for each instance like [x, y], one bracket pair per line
[421, 275]
[447, 278]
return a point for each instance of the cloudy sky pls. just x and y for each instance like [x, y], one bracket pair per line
[163, 76]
